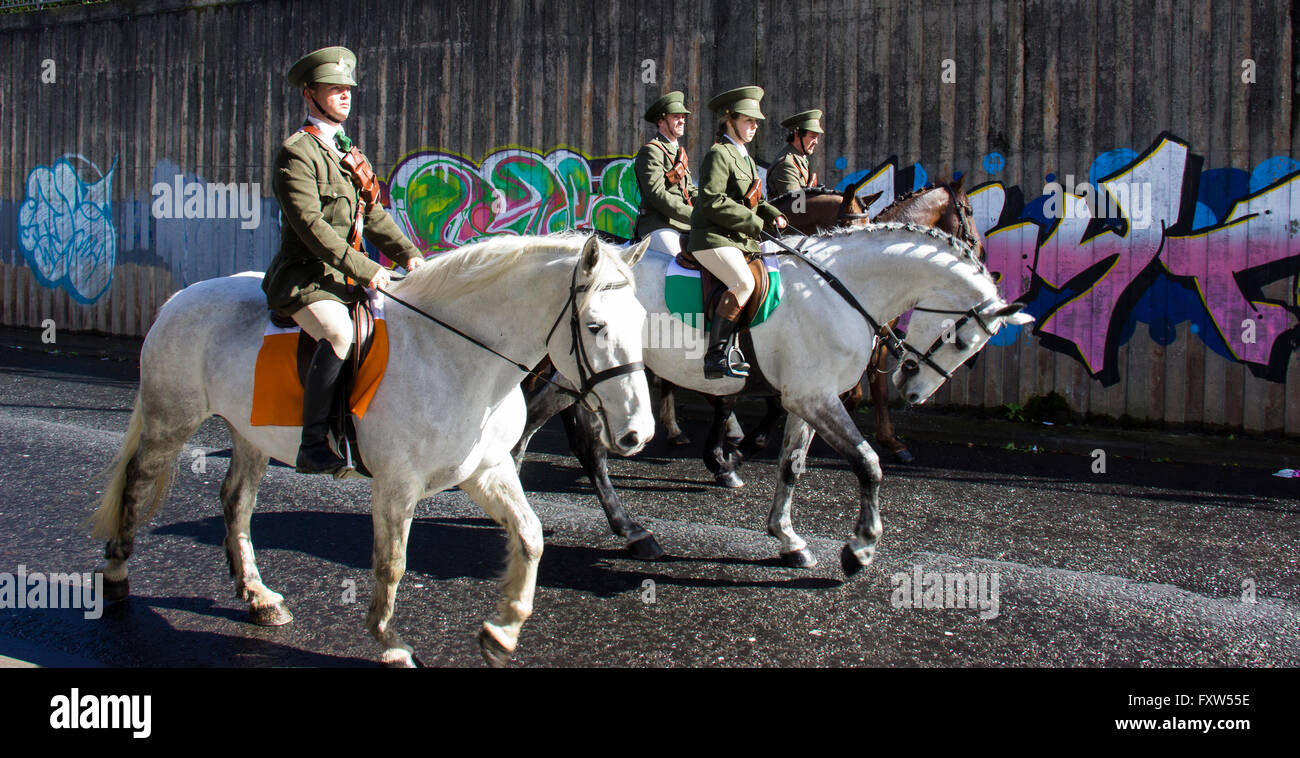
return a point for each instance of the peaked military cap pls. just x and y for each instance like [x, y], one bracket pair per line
[673, 102]
[809, 121]
[742, 100]
[329, 65]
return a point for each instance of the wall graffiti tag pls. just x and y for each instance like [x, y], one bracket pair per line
[1217, 249]
[65, 228]
[443, 200]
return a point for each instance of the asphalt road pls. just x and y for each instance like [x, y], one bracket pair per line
[1144, 565]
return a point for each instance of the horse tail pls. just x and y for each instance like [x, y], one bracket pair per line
[106, 522]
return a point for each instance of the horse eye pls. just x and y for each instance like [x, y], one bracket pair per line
[595, 327]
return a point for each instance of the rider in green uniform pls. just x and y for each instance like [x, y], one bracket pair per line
[664, 178]
[790, 171]
[729, 216]
[320, 268]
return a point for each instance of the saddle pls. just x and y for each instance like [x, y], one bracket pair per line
[363, 337]
[712, 289]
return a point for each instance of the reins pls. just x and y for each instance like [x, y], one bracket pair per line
[895, 344]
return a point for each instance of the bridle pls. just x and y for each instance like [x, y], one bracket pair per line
[897, 346]
[588, 377]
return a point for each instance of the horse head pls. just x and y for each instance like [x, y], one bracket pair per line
[600, 351]
[953, 337]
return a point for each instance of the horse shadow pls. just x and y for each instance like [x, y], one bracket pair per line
[455, 548]
[134, 633]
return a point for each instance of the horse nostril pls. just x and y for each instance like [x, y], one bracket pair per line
[629, 440]
[913, 397]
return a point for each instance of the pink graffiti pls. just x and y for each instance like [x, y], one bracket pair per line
[1259, 230]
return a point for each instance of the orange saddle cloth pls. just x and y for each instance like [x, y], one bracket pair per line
[277, 388]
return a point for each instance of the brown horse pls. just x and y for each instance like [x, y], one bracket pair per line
[942, 206]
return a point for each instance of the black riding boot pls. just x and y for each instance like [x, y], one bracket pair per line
[315, 456]
[724, 357]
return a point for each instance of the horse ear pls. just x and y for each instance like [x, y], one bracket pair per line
[590, 255]
[1011, 314]
[632, 254]
[956, 185]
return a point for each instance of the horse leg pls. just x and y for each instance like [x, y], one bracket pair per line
[794, 460]
[238, 498]
[735, 433]
[720, 456]
[884, 429]
[139, 478]
[668, 413]
[762, 436]
[392, 508]
[498, 492]
[828, 417]
[583, 430]
[542, 405]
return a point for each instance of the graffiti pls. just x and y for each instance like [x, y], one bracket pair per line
[1216, 248]
[65, 228]
[443, 200]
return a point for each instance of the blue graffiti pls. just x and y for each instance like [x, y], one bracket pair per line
[65, 229]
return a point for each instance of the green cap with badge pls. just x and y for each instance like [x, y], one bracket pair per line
[329, 65]
[742, 100]
[808, 121]
[673, 102]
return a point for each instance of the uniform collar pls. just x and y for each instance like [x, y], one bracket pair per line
[327, 131]
[660, 136]
[739, 147]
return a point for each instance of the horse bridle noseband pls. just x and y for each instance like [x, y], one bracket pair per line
[587, 377]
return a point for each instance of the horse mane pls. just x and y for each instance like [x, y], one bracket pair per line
[478, 265]
[908, 196]
[963, 250]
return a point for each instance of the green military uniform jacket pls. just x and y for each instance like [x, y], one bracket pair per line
[662, 204]
[721, 218]
[789, 172]
[318, 203]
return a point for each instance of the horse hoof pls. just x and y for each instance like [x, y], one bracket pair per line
[270, 615]
[494, 653]
[903, 456]
[116, 592]
[679, 440]
[853, 561]
[401, 659]
[646, 549]
[730, 480]
[799, 559]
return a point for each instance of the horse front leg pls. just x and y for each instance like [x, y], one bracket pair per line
[583, 430]
[721, 456]
[780, 524]
[392, 508]
[238, 498]
[498, 492]
[828, 417]
[668, 413]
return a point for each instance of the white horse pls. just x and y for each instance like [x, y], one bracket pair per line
[814, 347]
[446, 413]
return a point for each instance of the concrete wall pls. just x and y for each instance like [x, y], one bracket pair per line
[506, 116]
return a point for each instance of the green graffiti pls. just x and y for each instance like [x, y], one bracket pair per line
[444, 201]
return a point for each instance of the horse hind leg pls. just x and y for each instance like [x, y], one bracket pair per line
[498, 492]
[780, 524]
[721, 457]
[238, 498]
[668, 414]
[137, 483]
